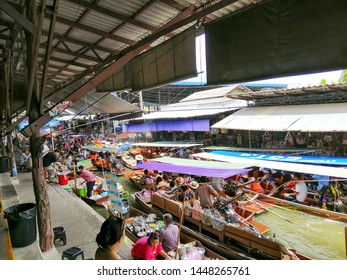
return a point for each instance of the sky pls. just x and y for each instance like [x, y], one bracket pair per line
[292, 81]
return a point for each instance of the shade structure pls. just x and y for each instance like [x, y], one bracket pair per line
[312, 117]
[199, 163]
[342, 161]
[166, 144]
[191, 170]
[339, 172]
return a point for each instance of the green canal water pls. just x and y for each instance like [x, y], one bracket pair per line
[316, 237]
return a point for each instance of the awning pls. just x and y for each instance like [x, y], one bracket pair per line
[342, 161]
[338, 172]
[200, 163]
[312, 117]
[197, 171]
[166, 144]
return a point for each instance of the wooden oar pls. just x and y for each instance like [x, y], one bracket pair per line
[74, 178]
[278, 215]
[180, 227]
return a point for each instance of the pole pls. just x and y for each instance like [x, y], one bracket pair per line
[180, 227]
[74, 178]
[346, 240]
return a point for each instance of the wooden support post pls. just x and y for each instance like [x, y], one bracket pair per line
[346, 240]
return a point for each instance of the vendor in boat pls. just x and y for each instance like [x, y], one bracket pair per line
[168, 235]
[88, 177]
[110, 238]
[299, 194]
[204, 192]
[148, 248]
[186, 191]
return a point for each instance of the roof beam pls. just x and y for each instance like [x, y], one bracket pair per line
[18, 17]
[114, 14]
[115, 64]
[94, 30]
[48, 51]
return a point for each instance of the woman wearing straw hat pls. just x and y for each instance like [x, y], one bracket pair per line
[204, 192]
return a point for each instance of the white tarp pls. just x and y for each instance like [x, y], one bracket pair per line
[312, 117]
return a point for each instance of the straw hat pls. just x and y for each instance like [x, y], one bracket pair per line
[161, 184]
[179, 181]
[139, 157]
[194, 185]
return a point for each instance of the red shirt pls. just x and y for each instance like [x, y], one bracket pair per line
[142, 250]
[88, 176]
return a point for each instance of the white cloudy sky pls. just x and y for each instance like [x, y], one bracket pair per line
[293, 81]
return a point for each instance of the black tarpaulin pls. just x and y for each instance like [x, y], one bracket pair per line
[277, 38]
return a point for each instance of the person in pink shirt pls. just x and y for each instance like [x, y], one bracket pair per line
[88, 177]
[148, 248]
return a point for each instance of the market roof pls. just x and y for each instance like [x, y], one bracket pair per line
[308, 117]
[167, 144]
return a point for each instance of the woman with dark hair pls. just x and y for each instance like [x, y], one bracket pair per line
[148, 248]
[110, 238]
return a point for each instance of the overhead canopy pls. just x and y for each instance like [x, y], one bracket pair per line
[312, 117]
[288, 158]
[259, 150]
[102, 102]
[338, 172]
[199, 163]
[191, 170]
[166, 144]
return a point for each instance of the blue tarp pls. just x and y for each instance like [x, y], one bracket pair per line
[287, 158]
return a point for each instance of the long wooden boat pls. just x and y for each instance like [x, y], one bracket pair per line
[341, 217]
[100, 201]
[251, 242]
[184, 237]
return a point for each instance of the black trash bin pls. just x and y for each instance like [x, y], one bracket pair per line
[21, 220]
[4, 162]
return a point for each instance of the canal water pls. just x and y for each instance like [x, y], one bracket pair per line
[316, 237]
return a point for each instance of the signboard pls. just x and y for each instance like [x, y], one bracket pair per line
[113, 193]
[287, 158]
[87, 164]
[60, 107]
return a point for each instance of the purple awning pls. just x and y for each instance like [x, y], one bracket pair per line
[198, 171]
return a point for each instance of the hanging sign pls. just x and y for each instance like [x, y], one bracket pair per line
[59, 108]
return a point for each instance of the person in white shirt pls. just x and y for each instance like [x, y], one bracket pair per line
[300, 193]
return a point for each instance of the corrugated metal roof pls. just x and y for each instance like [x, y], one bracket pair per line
[216, 92]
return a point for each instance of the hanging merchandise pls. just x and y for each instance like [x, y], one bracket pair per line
[288, 139]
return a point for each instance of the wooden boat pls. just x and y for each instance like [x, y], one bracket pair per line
[99, 201]
[250, 241]
[135, 178]
[184, 238]
[270, 200]
[129, 161]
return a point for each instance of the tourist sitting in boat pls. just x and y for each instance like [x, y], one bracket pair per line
[146, 179]
[204, 192]
[168, 235]
[110, 238]
[148, 248]
[162, 190]
[300, 192]
[186, 191]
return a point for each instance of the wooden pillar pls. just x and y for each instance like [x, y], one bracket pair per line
[46, 235]
[346, 240]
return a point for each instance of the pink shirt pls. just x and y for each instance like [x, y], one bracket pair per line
[88, 176]
[142, 250]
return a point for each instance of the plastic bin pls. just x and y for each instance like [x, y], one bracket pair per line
[63, 179]
[21, 219]
[4, 164]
